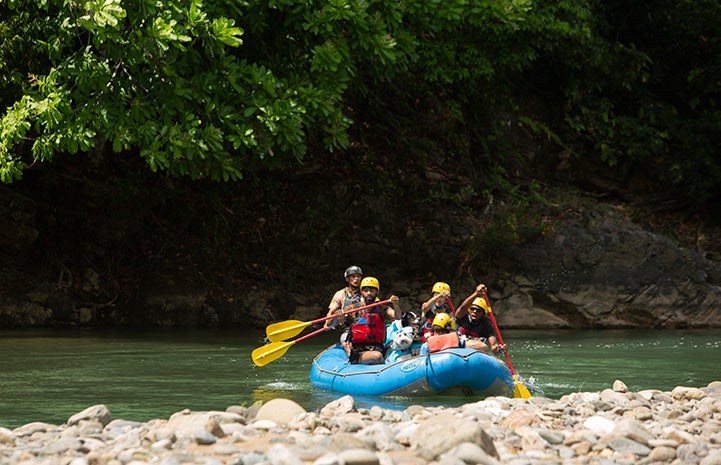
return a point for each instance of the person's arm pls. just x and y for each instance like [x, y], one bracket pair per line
[489, 332]
[437, 299]
[493, 343]
[334, 308]
[463, 309]
[395, 303]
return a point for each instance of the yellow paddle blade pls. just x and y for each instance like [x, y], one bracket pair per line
[520, 391]
[285, 329]
[270, 352]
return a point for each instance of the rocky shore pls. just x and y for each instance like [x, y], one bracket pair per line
[614, 426]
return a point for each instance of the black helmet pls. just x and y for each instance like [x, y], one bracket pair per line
[351, 270]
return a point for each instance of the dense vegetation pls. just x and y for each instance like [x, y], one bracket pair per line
[408, 106]
[219, 89]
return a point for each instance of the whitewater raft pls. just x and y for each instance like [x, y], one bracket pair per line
[456, 371]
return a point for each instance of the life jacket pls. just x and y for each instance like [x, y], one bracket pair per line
[443, 341]
[369, 329]
[393, 354]
[351, 300]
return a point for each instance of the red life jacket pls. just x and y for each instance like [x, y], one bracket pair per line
[369, 329]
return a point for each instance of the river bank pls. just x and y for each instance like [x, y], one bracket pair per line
[614, 425]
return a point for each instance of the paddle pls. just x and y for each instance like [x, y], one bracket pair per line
[273, 351]
[519, 389]
[450, 305]
[286, 329]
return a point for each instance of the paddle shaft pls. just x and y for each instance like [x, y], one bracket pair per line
[283, 330]
[450, 305]
[352, 310]
[309, 335]
[273, 351]
[498, 333]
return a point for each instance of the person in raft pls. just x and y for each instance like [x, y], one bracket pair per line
[444, 335]
[473, 322]
[366, 341]
[437, 303]
[347, 298]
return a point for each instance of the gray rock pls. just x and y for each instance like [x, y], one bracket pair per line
[552, 437]
[7, 437]
[204, 437]
[253, 458]
[443, 432]
[280, 455]
[344, 441]
[662, 454]
[359, 457]
[194, 425]
[281, 411]
[340, 406]
[471, 454]
[99, 413]
[620, 386]
[633, 430]
[380, 435]
[625, 445]
[713, 458]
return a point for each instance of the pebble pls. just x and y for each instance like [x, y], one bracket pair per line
[614, 426]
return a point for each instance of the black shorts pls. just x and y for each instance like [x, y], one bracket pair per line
[358, 349]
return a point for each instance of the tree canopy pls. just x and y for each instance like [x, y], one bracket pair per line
[217, 89]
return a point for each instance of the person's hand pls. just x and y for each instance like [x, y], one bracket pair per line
[481, 289]
[334, 321]
[394, 300]
[441, 298]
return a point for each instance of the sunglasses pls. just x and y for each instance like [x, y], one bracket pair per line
[474, 309]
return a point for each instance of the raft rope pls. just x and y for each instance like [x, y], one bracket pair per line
[386, 367]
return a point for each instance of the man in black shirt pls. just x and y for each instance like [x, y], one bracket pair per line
[474, 324]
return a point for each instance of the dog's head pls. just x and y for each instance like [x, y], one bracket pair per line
[403, 338]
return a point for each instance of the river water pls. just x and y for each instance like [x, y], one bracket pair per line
[49, 375]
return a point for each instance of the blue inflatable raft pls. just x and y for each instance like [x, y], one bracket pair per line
[451, 371]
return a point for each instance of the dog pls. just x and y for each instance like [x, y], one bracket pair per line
[400, 346]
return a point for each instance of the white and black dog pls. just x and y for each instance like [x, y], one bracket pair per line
[400, 346]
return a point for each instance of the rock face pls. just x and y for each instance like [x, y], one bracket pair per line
[598, 270]
[604, 271]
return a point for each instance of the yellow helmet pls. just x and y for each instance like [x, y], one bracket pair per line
[370, 282]
[481, 302]
[440, 287]
[445, 321]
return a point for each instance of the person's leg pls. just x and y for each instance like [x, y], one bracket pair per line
[371, 357]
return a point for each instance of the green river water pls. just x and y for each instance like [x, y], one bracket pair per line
[49, 375]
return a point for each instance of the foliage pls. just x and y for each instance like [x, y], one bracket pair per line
[220, 88]
[211, 89]
[644, 92]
